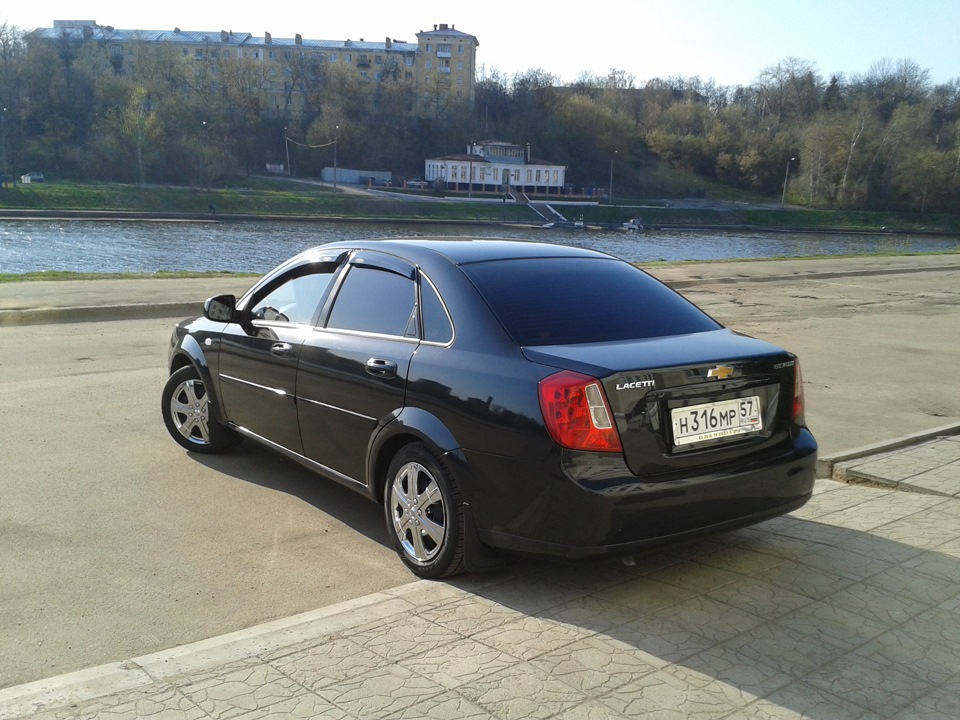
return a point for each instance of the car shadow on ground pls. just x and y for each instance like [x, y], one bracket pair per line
[253, 464]
[794, 615]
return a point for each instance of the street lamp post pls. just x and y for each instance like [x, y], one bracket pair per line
[786, 178]
[336, 139]
[203, 127]
[3, 170]
[286, 145]
[610, 193]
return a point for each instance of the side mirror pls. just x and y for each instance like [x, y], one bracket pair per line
[222, 308]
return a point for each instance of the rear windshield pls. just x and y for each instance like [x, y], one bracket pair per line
[560, 301]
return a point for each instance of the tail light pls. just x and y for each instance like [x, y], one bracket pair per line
[798, 401]
[576, 413]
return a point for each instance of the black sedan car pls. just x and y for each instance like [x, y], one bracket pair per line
[498, 396]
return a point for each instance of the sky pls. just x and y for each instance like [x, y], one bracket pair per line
[728, 41]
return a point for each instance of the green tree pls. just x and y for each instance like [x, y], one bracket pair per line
[683, 137]
[139, 127]
[12, 97]
[925, 178]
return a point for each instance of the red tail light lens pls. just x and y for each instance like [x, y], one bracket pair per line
[576, 413]
[799, 404]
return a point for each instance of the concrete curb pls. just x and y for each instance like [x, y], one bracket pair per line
[826, 465]
[99, 313]
[141, 672]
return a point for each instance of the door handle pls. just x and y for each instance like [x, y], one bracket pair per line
[281, 349]
[381, 368]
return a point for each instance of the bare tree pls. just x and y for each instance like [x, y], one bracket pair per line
[790, 90]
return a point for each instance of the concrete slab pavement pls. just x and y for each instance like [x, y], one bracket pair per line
[926, 466]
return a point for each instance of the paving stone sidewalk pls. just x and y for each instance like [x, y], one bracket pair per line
[847, 608]
[930, 467]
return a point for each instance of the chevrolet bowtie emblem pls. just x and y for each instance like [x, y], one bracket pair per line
[720, 372]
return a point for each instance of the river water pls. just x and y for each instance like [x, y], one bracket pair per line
[99, 246]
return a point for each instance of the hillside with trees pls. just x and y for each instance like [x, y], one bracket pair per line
[886, 140]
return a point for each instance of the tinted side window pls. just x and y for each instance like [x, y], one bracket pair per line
[436, 322]
[556, 301]
[376, 301]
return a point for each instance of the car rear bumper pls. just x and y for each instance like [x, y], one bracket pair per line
[590, 509]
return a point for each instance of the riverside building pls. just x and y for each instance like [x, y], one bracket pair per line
[494, 165]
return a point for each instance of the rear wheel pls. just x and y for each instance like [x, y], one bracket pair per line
[185, 405]
[424, 513]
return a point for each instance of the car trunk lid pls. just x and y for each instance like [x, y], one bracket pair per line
[688, 401]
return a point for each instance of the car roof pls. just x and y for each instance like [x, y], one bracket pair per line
[462, 250]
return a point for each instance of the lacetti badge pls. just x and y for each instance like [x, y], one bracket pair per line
[720, 372]
[636, 384]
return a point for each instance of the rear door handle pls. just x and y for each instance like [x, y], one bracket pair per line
[381, 368]
[281, 349]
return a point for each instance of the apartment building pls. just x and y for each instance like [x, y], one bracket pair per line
[440, 65]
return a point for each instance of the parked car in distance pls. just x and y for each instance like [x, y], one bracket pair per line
[498, 396]
[417, 183]
[32, 177]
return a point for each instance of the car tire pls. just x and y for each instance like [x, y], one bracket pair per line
[185, 404]
[424, 513]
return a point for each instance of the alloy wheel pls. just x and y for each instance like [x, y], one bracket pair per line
[190, 411]
[418, 512]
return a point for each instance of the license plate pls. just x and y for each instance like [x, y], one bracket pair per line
[716, 420]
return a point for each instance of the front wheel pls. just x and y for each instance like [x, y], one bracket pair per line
[424, 513]
[185, 405]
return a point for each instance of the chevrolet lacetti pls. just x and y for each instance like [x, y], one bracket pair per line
[498, 396]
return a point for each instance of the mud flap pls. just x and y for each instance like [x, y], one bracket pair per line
[477, 557]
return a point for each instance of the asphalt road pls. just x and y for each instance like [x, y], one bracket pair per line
[114, 542]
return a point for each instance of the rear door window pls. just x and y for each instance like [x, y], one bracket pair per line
[376, 300]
